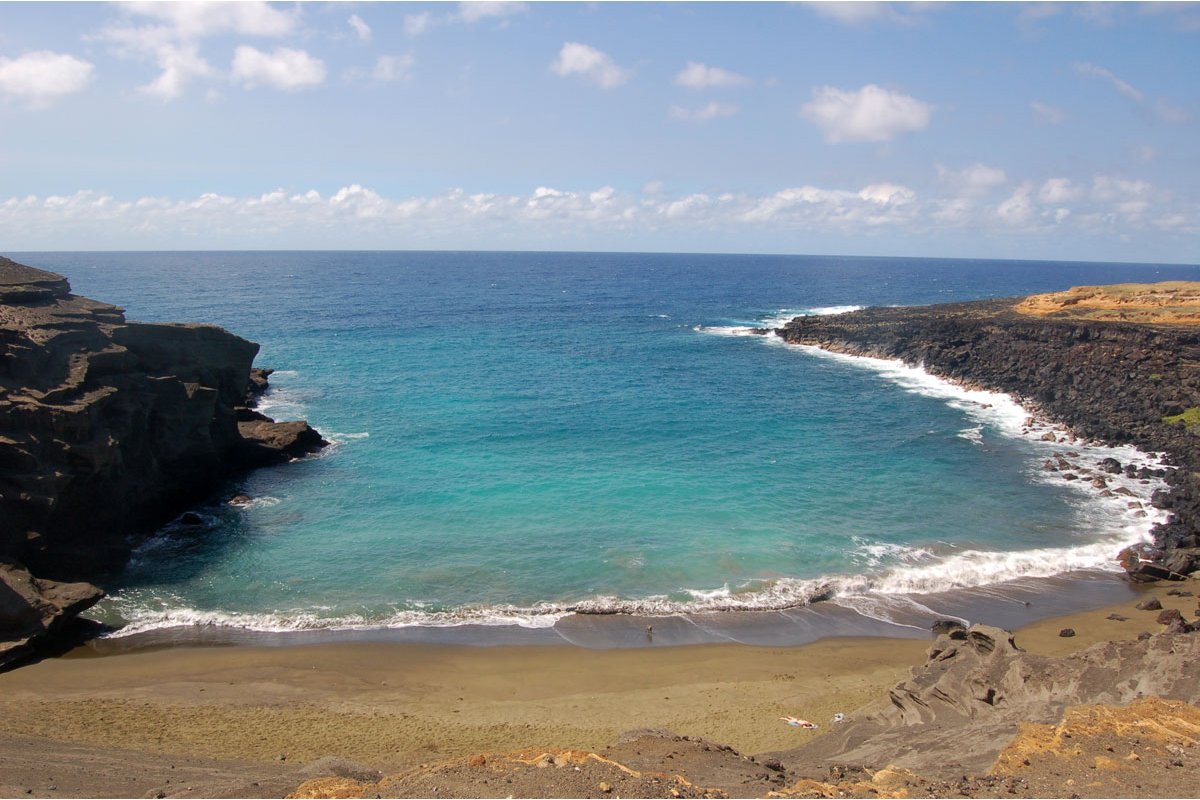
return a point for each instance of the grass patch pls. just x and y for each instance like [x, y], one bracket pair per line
[1188, 419]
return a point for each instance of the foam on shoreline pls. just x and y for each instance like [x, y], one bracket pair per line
[883, 593]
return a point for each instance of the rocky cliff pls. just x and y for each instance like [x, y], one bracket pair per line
[1117, 382]
[109, 428]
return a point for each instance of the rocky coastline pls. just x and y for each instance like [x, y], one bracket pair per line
[1105, 380]
[109, 429]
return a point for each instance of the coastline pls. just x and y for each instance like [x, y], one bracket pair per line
[398, 706]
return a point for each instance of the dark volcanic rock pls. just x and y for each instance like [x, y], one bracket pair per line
[33, 608]
[111, 428]
[1108, 381]
[955, 713]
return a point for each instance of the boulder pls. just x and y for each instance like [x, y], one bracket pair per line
[33, 610]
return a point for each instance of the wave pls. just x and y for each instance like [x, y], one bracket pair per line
[775, 319]
[877, 596]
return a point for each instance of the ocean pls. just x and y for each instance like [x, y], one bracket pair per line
[517, 437]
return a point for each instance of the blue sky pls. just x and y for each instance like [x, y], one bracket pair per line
[1065, 131]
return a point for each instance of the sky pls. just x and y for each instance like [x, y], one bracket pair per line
[964, 130]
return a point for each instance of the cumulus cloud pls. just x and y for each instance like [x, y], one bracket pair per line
[172, 37]
[284, 68]
[1111, 206]
[483, 9]
[361, 29]
[869, 114]
[975, 180]
[589, 63]
[1058, 190]
[712, 110]
[1018, 208]
[1051, 115]
[194, 20]
[41, 77]
[861, 13]
[701, 76]
[1097, 71]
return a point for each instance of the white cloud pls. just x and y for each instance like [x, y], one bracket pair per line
[393, 68]
[362, 29]
[712, 110]
[588, 62]
[353, 214]
[1097, 71]
[1018, 209]
[416, 24]
[1051, 115]
[972, 181]
[179, 64]
[870, 114]
[198, 19]
[861, 13]
[481, 9]
[887, 194]
[172, 39]
[701, 76]
[284, 68]
[41, 77]
[1058, 190]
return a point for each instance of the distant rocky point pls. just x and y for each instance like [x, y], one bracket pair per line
[1127, 380]
[108, 430]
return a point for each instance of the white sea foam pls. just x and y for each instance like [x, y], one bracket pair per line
[973, 435]
[143, 620]
[775, 319]
[266, 501]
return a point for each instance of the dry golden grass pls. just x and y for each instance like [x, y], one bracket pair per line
[1166, 303]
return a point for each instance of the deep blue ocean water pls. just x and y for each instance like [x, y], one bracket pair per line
[519, 433]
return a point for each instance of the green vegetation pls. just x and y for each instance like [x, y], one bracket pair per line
[1188, 419]
[1154, 376]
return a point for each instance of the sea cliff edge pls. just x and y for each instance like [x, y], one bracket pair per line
[109, 429]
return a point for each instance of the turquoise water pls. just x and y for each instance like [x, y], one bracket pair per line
[519, 434]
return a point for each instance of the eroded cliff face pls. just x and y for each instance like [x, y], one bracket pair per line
[109, 428]
[1110, 381]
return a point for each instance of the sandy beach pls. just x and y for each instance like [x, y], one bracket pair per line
[233, 710]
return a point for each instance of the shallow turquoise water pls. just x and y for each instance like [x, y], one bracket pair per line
[520, 433]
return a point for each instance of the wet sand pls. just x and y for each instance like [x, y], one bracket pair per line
[397, 705]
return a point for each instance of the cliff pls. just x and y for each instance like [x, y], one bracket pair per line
[110, 428]
[1118, 382]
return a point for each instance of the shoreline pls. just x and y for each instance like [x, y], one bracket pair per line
[397, 706]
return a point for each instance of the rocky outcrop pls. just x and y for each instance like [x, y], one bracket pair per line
[109, 428]
[958, 711]
[32, 609]
[1110, 381]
